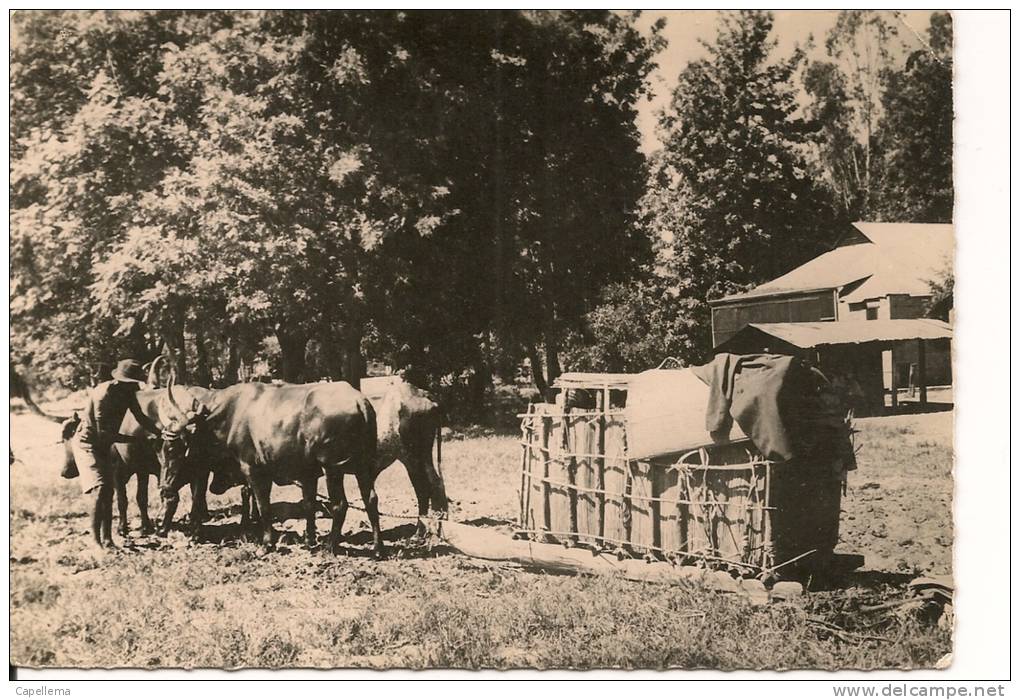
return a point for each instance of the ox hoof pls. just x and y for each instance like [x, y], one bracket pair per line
[148, 529]
[163, 532]
[379, 553]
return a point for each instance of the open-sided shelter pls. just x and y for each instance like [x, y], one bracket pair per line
[879, 272]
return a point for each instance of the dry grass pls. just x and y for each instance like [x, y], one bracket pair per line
[165, 603]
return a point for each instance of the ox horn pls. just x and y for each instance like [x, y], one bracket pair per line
[153, 378]
[170, 394]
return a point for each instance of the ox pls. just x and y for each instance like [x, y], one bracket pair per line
[138, 457]
[281, 434]
[408, 421]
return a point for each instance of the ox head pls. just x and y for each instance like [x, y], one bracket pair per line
[182, 443]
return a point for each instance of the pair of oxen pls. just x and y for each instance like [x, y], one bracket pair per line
[255, 435]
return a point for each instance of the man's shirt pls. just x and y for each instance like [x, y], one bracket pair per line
[108, 403]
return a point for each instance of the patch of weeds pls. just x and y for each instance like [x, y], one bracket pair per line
[275, 652]
[233, 646]
[35, 592]
[459, 638]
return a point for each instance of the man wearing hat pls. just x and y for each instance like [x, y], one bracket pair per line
[108, 403]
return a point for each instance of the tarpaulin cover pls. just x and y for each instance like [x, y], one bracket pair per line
[666, 411]
[784, 406]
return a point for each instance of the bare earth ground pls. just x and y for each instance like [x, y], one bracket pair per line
[164, 602]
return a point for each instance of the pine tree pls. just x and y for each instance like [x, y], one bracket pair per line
[731, 198]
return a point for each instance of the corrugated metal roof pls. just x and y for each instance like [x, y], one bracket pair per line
[910, 256]
[812, 335]
[899, 259]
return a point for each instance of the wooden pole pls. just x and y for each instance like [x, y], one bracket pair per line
[547, 428]
[922, 372]
[656, 477]
[893, 379]
[600, 461]
[571, 475]
[525, 467]
[628, 514]
[485, 544]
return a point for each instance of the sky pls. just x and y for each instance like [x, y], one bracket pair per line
[684, 28]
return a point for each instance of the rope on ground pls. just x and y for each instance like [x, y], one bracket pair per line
[323, 503]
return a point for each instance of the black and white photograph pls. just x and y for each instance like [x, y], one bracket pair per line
[482, 339]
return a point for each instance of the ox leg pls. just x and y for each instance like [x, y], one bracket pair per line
[249, 512]
[262, 489]
[436, 485]
[170, 504]
[338, 508]
[199, 510]
[122, 504]
[366, 484]
[309, 494]
[199, 503]
[420, 483]
[246, 510]
[142, 498]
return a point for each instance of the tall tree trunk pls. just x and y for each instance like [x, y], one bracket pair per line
[552, 360]
[331, 363]
[203, 373]
[137, 345]
[536, 372]
[354, 361]
[552, 336]
[230, 372]
[478, 384]
[174, 341]
[292, 353]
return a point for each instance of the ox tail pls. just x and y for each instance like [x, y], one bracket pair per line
[371, 446]
[439, 447]
[19, 388]
[440, 500]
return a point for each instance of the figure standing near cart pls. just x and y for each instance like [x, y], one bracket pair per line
[99, 429]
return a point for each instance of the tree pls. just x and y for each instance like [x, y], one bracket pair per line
[224, 192]
[635, 327]
[73, 154]
[428, 186]
[840, 155]
[940, 305]
[546, 101]
[847, 104]
[917, 131]
[730, 198]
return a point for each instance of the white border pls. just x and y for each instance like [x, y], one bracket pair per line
[983, 82]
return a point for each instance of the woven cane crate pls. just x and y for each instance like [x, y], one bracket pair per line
[721, 505]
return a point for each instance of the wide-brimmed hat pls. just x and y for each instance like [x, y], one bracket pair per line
[129, 371]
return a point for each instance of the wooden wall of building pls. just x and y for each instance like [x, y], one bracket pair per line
[727, 319]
